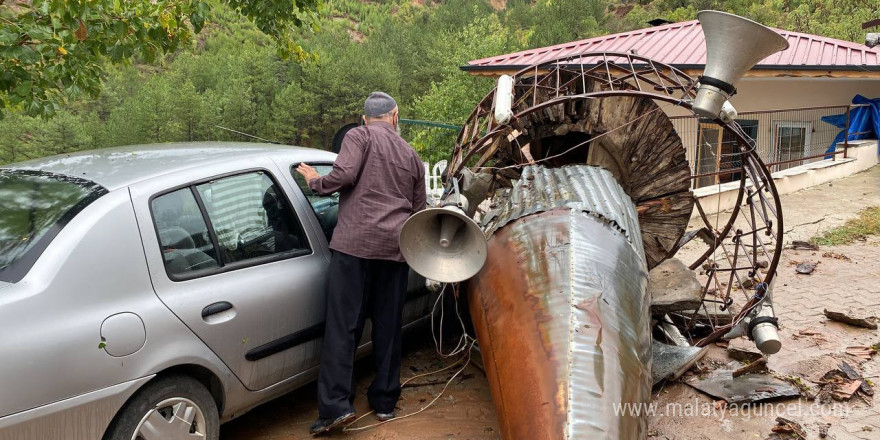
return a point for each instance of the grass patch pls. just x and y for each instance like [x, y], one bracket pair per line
[867, 223]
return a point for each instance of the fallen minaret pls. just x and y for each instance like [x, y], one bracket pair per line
[580, 184]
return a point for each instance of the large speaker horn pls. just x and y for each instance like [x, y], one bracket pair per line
[443, 244]
[733, 46]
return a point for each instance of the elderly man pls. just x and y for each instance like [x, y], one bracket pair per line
[381, 182]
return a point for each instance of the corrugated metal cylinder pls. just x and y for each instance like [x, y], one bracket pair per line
[560, 308]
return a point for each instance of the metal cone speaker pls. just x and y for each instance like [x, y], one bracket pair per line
[733, 46]
[443, 244]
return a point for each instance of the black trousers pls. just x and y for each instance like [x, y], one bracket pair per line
[359, 288]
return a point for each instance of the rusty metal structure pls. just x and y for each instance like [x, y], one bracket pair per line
[587, 187]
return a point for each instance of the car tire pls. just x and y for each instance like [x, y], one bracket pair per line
[149, 413]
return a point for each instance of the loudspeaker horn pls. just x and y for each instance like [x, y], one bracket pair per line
[733, 46]
[443, 244]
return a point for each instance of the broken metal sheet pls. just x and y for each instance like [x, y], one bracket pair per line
[670, 361]
[749, 388]
[585, 188]
[743, 350]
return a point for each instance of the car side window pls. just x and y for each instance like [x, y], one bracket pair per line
[250, 217]
[326, 207]
[183, 234]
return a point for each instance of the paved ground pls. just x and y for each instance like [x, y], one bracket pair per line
[800, 299]
[466, 411]
[853, 281]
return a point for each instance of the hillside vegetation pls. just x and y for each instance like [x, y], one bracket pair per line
[232, 76]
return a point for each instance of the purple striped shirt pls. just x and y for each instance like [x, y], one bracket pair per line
[381, 182]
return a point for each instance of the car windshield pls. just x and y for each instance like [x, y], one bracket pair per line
[34, 206]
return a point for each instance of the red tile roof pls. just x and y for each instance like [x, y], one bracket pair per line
[682, 45]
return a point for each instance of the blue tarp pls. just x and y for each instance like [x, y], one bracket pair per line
[860, 119]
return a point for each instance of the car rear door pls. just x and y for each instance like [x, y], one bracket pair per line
[230, 253]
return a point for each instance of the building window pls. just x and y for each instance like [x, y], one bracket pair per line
[791, 141]
[718, 158]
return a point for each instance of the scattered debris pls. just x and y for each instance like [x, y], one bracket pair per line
[835, 255]
[813, 369]
[845, 390]
[861, 352]
[671, 361]
[842, 383]
[786, 426]
[749, 388]
[851, 373]
[806, 268]
[857, 317]
[824, 395]
[743, 350]
[672, 333]
[673, 288]
[803, 245]
[812, 335]
[808, 392]
[823, 430]
[754, 367]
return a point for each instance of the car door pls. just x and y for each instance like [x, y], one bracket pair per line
[231, 256]
[326, 209]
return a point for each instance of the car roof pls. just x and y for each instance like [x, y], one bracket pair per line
[119, 167]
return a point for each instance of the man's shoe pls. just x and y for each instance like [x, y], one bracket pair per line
[323, 426]
[384, 417]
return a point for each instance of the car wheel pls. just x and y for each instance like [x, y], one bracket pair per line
[169, 408]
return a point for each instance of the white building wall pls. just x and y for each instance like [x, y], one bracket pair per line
[767, 94]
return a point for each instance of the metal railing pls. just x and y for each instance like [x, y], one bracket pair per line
[783, 138]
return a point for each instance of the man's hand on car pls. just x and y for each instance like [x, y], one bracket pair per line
[307, 172]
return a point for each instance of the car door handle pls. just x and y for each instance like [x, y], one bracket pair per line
[217, 307]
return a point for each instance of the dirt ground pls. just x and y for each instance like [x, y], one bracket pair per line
[465, 411]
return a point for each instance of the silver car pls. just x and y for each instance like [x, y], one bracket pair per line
[153, 292]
